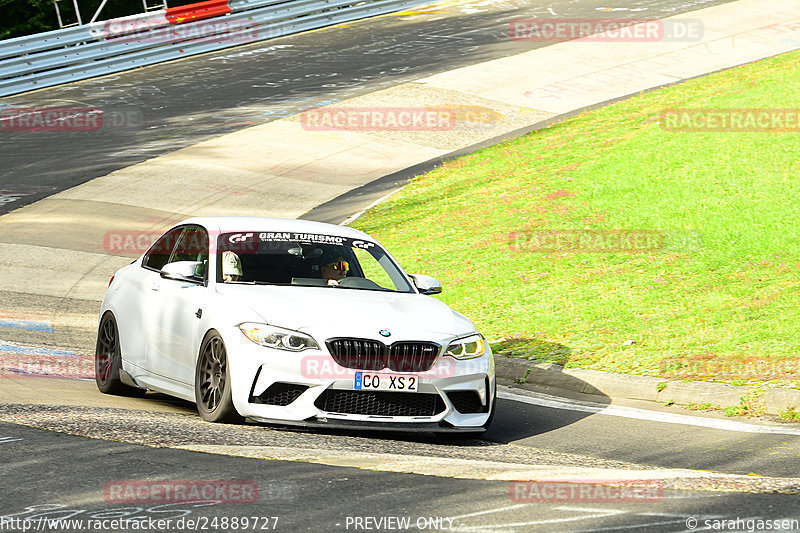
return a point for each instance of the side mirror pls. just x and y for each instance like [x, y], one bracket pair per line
[426, 284]
[191, 271]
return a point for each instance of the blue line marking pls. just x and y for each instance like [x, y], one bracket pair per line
[26, 324]
[32, 350]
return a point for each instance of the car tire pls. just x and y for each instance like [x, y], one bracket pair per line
[108, 360]
[212, 382]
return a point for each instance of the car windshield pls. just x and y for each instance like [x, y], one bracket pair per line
[305, 259]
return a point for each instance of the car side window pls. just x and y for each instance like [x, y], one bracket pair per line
[192, 246]
[158, 254]
[374, 269]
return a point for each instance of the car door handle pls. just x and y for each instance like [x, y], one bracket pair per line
[199, 313]
[154, 286]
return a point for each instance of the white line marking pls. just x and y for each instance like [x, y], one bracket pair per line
[481, 513]
[590, 514]
[546, 400]
[598, 510]
[638, 525]
[497, 510]
[673, 515]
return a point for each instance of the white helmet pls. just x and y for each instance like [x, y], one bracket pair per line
[231, 264]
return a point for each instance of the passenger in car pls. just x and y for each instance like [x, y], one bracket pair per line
[231, 266]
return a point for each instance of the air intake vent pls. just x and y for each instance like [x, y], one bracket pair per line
[467, 402]
[380, 403]
[280, 394]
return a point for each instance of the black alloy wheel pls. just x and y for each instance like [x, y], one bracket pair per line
[212, 384]
[108, 360]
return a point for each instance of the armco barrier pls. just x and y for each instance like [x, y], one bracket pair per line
[82, 52]
[202, 10]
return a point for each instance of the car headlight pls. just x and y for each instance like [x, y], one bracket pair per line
[279, 338]
[468, 347]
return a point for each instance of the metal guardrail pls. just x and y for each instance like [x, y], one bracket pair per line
[82, 52]
[201, 10]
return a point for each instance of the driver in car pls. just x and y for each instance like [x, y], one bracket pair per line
[334, 270]
[231, 266]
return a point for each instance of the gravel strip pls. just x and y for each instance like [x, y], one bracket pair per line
[177, 429]
[475, 119]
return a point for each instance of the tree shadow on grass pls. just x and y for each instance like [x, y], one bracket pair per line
[534, 350]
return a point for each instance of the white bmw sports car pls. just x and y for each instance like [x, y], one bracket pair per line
[292, 322]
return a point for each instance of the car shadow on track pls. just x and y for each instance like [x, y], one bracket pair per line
[514, 420]
[528, 415]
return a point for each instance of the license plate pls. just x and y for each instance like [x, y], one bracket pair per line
[387, 382]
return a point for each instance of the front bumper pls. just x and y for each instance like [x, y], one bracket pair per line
[310, 389]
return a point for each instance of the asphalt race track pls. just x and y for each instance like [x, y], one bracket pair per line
[181, 103]
[67, 448]
[310, 497]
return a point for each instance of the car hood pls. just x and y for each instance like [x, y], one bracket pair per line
[335, 312]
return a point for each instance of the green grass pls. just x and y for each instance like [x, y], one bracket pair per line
[790, 414]
[719, 301]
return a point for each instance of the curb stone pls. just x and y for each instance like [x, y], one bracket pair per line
[631, 387]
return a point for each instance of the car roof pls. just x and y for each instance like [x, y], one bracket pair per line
[240, 224]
